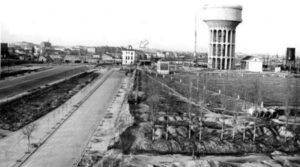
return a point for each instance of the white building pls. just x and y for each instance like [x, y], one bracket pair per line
[129, 56]
[163, 67]
[251, 63]
[91, 50]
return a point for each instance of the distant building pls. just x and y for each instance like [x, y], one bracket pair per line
[163, 67]
[42, 59]
[56, 58]
[251, 63]
[91, 50]
[129, 56]
[96, 56]
[4, 50]
[72, 59]
[107, 58]
[44, 46]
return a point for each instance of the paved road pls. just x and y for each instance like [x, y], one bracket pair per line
[21, 84]
[64, 147]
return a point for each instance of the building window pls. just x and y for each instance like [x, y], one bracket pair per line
[219, 50]
[214, 49]
[228, 50]
[215, 36]
[224, 36]
[219, 36]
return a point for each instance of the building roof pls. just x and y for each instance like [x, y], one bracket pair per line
[250, 58]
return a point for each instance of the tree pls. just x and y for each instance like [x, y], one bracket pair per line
[203, 103]
[223, 103]
[153, 100]
[27, 132]
[287, 103]
[258, 101]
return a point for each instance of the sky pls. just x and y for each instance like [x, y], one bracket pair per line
[268, 26]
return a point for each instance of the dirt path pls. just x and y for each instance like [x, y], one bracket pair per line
[64, 147]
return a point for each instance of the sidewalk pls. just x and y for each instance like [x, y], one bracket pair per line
[14, 146]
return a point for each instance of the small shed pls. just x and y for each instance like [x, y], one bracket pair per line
[251, 63]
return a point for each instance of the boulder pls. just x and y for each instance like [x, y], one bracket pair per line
[161, 119]
[182, 131]
[158, 134]
[178, 118]
[172, 130]
[283, 132]
[171, 118]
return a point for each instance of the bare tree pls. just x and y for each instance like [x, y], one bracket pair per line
[153, 100]
[190, 107]
[234, 121]
[258, 101]
[203, 103]
[287, 103]
[223, 103]
[27, 132]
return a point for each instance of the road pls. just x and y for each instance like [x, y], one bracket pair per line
[19, 85]
[64, 147]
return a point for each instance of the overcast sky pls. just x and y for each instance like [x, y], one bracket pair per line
[268, 26]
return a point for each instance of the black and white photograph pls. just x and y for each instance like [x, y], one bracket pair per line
[150, 83]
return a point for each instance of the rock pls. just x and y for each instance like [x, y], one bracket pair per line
[267, 131]
[143, 108]
[172, 130]
[287, 163]
[158, 134]
[254, 164]
[182, 131]
[161, 146]
[283, 132]
[191, 164]
[178, 118]
[276, 153]
[145, 117]
[185, 118]
[228, 122]
[171, 118]
[210, 119]
[161, 119]
[177, 164]
[203, 163]
[175, 146]
[194, 128]
[161, 113]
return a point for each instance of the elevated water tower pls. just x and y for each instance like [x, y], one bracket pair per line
[222, 21]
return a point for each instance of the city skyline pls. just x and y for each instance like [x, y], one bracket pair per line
[268, 27]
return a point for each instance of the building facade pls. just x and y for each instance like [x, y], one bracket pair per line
[222, 22]
[163, 67]
[251, 63]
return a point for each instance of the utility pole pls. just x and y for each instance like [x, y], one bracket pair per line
[0, 63]
[195, 44]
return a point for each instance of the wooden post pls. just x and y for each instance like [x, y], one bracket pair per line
[254, 132]
[244, 132]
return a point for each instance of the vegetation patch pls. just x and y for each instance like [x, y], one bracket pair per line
[24, 110]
